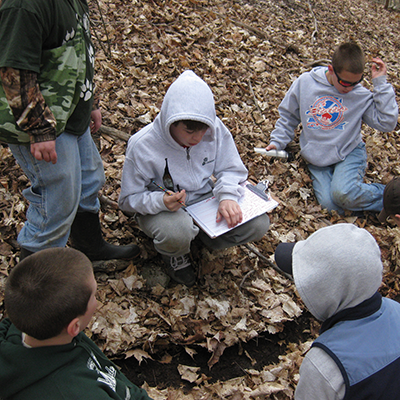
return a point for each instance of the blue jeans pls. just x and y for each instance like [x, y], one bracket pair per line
[341, 186]
[58, 190]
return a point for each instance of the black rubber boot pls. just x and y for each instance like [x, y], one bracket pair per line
[86, 236]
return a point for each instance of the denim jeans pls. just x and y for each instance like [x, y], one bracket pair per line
[58, 190]
[341, 186]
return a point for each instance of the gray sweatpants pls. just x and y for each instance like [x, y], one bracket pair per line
[172, 232]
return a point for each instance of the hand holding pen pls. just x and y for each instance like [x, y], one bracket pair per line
[173, 201]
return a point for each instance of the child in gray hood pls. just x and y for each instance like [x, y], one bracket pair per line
[337, 272]
[184, 146]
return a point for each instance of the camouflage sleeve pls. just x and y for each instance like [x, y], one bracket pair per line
[27, 104]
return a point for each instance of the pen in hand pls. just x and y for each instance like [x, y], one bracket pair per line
[168, 192]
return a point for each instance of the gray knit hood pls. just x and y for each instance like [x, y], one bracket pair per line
[188, 98]
[336, 268]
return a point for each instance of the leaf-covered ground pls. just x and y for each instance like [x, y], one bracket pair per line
[249, 52]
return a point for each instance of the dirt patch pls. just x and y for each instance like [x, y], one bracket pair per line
[236, 360]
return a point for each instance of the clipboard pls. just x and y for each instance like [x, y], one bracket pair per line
[253, 203]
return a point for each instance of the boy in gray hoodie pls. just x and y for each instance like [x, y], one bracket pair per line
[337, 272]
[331, 104]
[184, 146]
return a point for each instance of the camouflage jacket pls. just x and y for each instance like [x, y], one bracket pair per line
[47, 104]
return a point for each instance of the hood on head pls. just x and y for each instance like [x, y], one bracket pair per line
[336, 268]
[188, 98]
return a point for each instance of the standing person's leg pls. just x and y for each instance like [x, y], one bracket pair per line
[92, 173]
[86, 234]
[53, 196]
[251, 231]
[322, 179]
[349, 190]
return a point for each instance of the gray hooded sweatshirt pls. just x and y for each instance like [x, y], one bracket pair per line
[188, 98]
[336, 268]
[331, 121]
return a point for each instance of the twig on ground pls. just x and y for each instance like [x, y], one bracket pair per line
[321, 61]
[108, 54]
[256, 31]
[254, 97]
[245, 277]
[315, 21]
[253, 249]
[116, 133]
[108, 202]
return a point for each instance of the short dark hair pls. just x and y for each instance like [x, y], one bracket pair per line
[47, 290]
[350, 57]
[193, 125]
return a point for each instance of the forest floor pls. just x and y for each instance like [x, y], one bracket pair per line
[242, 331]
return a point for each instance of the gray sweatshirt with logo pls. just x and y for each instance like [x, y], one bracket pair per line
[331, 121]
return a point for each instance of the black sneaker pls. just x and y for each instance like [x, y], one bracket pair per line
[180, 269]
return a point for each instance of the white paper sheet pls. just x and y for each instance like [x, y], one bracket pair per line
[205, 212]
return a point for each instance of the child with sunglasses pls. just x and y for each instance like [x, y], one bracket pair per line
[331, 104]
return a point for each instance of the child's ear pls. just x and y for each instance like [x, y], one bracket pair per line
[330, 68]
[397, 219]
[74, 327]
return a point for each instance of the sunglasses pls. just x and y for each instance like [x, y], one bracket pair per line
[346, 83]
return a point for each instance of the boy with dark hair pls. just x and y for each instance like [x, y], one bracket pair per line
[331, 104]
[337, 272]
[184, 146]
[349, 57]
[44, 354]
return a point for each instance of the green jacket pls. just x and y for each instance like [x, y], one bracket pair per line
[74, 371]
